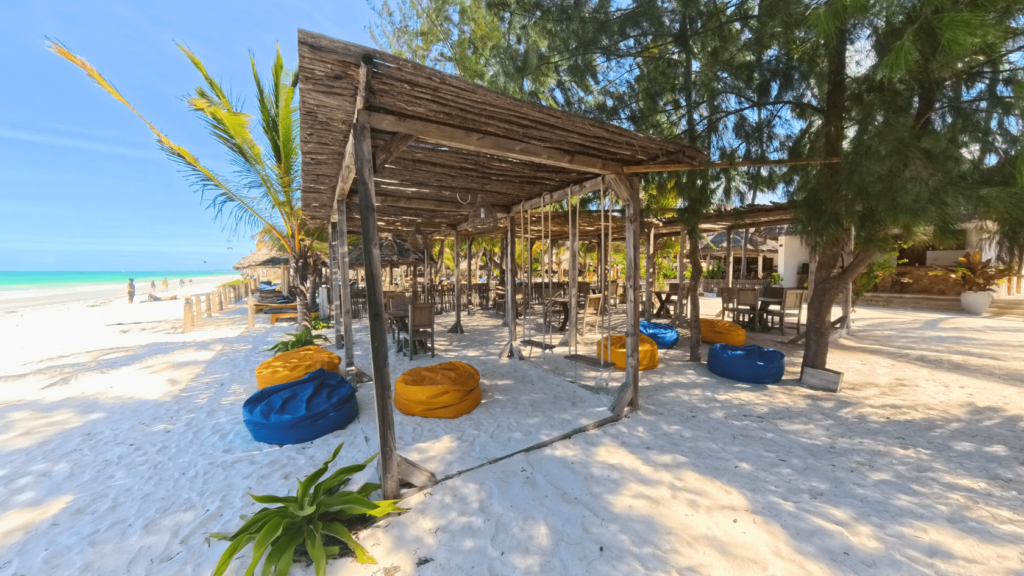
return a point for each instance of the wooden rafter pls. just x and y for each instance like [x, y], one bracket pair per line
[458, 138]
[722, 165]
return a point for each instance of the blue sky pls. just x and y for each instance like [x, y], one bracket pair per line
[82, 184]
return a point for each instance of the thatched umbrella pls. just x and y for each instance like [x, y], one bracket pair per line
[263, 257]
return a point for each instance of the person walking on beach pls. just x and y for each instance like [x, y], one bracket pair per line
[131, 290]
[165, 284]
[181, 283]
[152, 285]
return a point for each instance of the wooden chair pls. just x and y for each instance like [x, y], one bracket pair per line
[421, 328]
[747, 303]
[592, 312]
[582, 292]
[792, 305]
[728, 296]
[395, 303]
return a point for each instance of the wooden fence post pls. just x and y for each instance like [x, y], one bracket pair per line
[190, 322]
[252, 311]
[209, 304]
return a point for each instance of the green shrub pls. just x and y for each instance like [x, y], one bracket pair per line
[297, 340]
[716, 271]
[318, 511]
[319, 323]
[775, 278]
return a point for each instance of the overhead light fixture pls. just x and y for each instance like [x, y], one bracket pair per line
[482, 219]
[388, 248]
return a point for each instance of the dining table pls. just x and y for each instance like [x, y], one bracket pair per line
[399, 320]
[563, 303]
[764, 303]
[665, 298]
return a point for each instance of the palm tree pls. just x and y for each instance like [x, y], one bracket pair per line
[263, 194]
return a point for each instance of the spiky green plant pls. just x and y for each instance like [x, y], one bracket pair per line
[319, 509]
[297, 340]
[319, 323]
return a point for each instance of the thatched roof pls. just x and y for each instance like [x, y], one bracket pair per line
[440, 142]
[263, 257]
[404, 256]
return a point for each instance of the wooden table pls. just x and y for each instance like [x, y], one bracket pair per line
[665, 297]
[766, 302]
[564, 304]
[399, 319]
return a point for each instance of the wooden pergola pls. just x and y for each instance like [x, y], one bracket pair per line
[391, 144]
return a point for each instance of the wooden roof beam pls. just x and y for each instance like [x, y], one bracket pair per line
[497, 146]
[722, 165]
[390, 149]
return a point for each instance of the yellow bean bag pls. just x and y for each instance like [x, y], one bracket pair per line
[446, 390]
[714, 331]
[292, 366]
[617, 353]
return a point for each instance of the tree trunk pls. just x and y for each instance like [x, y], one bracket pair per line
[696, 271]
[299, 273]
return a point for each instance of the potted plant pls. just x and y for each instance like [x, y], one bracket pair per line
[978, 276]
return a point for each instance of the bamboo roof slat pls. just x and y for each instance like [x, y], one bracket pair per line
[470, 141]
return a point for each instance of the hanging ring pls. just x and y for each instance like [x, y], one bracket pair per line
[459, 198]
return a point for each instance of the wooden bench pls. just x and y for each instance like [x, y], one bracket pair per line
[277, 316]
[262, 307]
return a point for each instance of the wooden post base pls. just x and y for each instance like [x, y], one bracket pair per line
[456, 328]
[824, 380]
[510, 351]
[357, 376]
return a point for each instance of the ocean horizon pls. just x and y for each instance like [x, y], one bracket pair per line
[23, 280]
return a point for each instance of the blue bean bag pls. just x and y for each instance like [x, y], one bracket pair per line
[750, 364]
[664, 335]
[302, 410]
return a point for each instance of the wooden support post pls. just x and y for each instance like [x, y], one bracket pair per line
[602, 273]
[190, 321]
[388, 461]
[457, 327]
[332, 257]
[251, 311]
[197, 307]
[728, 257]
[760, 264]
[510, 350]
[684, 242]
[628, 397]
[649, 283]
[354, 374]
[574, 281]
[220, 299]
[209, 304]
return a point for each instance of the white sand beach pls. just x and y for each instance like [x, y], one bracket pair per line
[122, 448]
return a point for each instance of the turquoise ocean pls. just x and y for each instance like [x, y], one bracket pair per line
[55, 280]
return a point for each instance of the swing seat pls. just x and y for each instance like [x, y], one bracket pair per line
[291, 366]
[751, 364]
[664, 335]
[537, 344]
[590, 361]
[614, 348]
[714, 331]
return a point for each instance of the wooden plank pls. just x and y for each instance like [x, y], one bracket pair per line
[390, 150]
[590, 361]
[375, 302]
[425, 204]
[495, 145]
[345, 286]
[721, 165]
[826, 380]
[415, 474]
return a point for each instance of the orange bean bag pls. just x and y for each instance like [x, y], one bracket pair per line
[446, 390]
[294, 365]
[617, 351]
[714, 331]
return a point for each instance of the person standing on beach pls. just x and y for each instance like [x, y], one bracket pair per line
[131, 290]
[152, 285]
[165, 284]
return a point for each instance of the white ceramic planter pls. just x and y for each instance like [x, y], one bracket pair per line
[976, 302]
